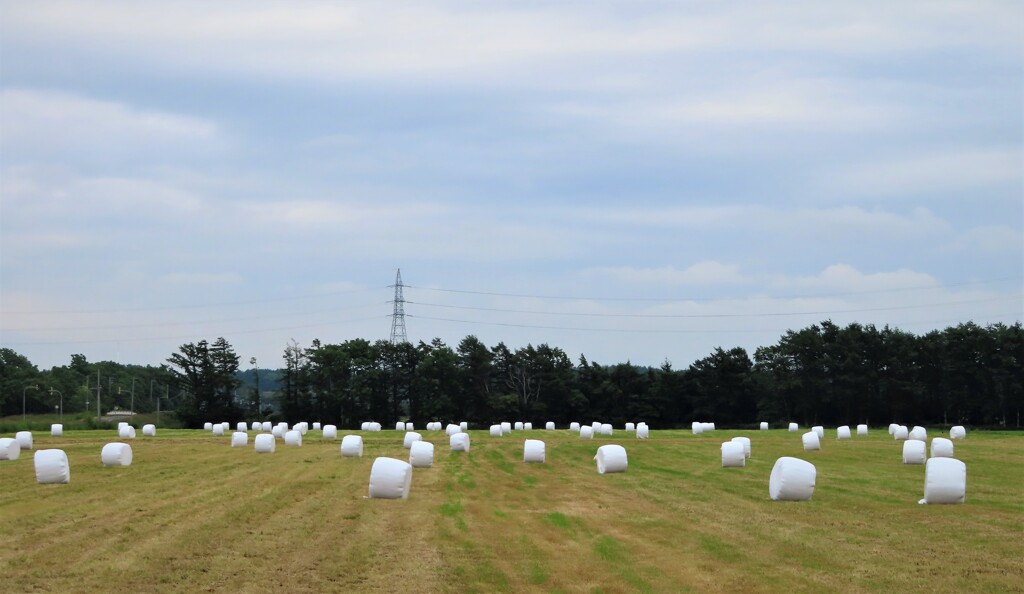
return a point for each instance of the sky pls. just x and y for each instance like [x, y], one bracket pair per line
[631, 181]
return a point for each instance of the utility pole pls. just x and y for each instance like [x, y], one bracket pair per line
[98, 394]
[398, 334]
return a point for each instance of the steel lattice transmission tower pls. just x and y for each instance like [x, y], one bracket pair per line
[398, 334]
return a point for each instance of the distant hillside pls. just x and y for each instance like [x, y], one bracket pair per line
[270, 379]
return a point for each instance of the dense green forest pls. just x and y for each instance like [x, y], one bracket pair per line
[822, 374]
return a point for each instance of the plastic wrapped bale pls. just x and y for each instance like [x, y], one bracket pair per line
[792, 479]
[330, 432]
[914, 452]
[533, 451]
[302, 428]
[9, 448]
[421, 454]
[207, 426]
[452, 429]
[149, 430]
[942, 448]
[239, 439]
[293, 438]
[375, 426]
[862, 429]
[630, 427]
[226, 425]
[611, 458]
[506, 428]
[811, 441]
[265, 443]
[56, 430]
[410, 438]
[919, 433]
[400, 426]
[549, 426]
[732, 455]
[365, 426]
[218, 430]
[352, 446]
[596, 427]
[241, 426]
[957, 432]
[519, 426]
[900, 433]
[52, 467]
[131, 432]
[122, 424]
[574, 426]
[277, 432]
[642, 432]
[459, 442]
[764, 426]
[267, 426]
[843, 432]
[746, 445]
[409, 426]
[697, 427]
[819, 430]
[708, 427]
[527, 426]
[24, 439]
[945, 481]
[390, 479]
[464, 425]
[586, 432]
[116, 454]
[318, 427]
[793, 427]
[495, 430]
[892, 427]
[606, 429]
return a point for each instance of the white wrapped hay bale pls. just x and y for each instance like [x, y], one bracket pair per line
[239, 439]
[819, 430]
[459, 442]
[745, 441]
[302, 428]
[611, 458]
[330, 432]
[697, 427]
[843, 432]
[945, 481]
[452, 429]
[10, 449]
[549, 426]
[352, 446]
[267, 426]
[892, 428]
[390, 479]
[811, 441]
[410, 437]
[642, 432]
[409, 426]
[792, 479]
[265, 443]
[56, 430]
[586, 432]
[519, 426]
[149, 430]
[293, 438]
[241, 426]
[606, 429]
[226, 426]
[317, 427]
[375, 426]
[400, 426]
[527, 426]
[919, 433]
[116, 454]
[793, 427]
[764, 426]
[506, 428]
[862, 429]
[705, 427]
[495, 430]
[52, 467]
[207, 426]
[957, 432]
[914, 452]
[122, 424]
[131, 432]
[464, 425]
[365, 426]
[24, 439]
[630, 427]
[277, 431]
[574, 426]
[533, 451]
[732, 455]
[421, 454]
[942, 447]
[218, 430]
[900, 433]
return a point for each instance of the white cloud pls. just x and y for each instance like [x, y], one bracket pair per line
[938, 172]
[846, 278]
[200, 278]
[991, 239]
[700, 273]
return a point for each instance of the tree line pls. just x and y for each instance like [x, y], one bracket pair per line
[822, 374]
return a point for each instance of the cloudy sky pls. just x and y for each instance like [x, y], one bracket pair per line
[627, 180]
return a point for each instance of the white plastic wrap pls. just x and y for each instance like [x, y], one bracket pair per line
[586, 432]
[241, 426]
[330, 432]
[642, 432]
[811, 441]
[819, 430]
[293, 438]
[957, 432]
[919, 433]
[390, 479]
[421, 454]
[630, 427]
[764, 426]
[527, 426]
[218, 430]
[116, 454]
[400, 426]
[352, 446]
[317, 427]
[746, 445]
[843, 432]
[892, 428]
[464, 425]
[226, 426]
[697, 427]
[207, 426]
[705, 427]
[365, 426]
[945, 481]
[533, 451]
[862, 429]
[942, 447]
[549, 426]
[24, 439]
[239, 439]
[302, 428]
[519, 426]
[149, 430]
[611, 458]
[792, 479]
[265, 443]
[606, 429]
[52, 467]
[10, 449]
[267, 426]
[452, 429]
[574, 426]
[793, 427]
[496, 431]
[410, 437]
[506, 428]
[277, 431]
[900, 433]
[914, 452]
[131, 432]
[732, 455]
[459, 442]
[375, 426]
[56, 430]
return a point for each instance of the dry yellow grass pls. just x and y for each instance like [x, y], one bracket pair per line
[193, 514]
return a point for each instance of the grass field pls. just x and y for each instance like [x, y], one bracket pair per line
[192, 514]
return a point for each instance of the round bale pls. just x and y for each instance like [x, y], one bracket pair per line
[611, 458]
[792, 479]
[390, 479]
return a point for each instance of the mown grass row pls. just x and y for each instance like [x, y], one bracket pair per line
[193, 514]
